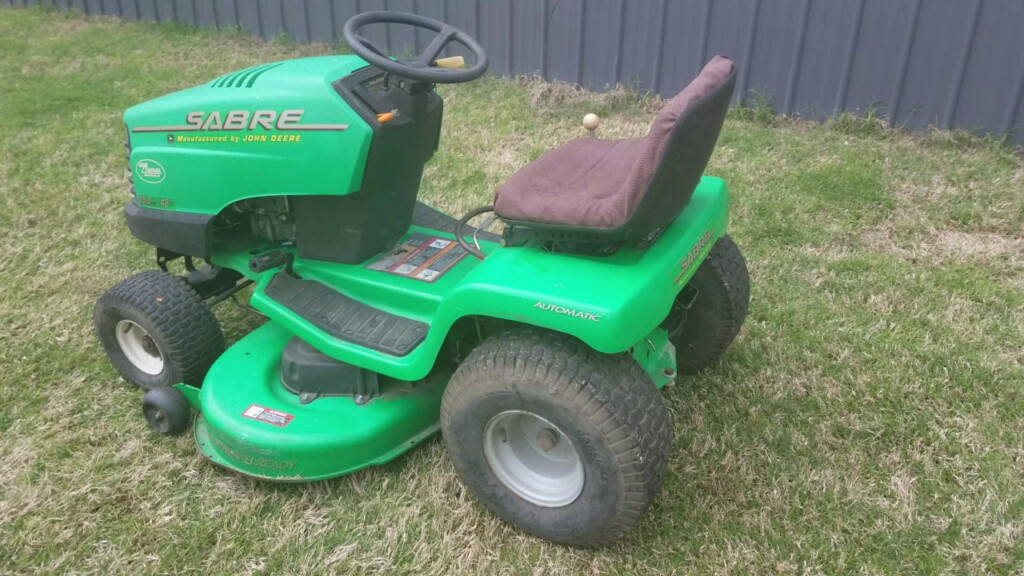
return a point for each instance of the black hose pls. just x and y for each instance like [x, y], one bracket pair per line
[462, 224]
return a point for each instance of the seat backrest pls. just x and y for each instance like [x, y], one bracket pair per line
[677, 150]
[663, 178]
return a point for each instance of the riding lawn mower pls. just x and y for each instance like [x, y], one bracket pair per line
[538, 352]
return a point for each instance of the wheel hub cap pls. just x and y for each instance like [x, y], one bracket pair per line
[139, 347]
[533, 458]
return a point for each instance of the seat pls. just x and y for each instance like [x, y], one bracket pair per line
[594, 190]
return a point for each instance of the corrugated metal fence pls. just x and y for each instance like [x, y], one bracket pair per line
[920, 63]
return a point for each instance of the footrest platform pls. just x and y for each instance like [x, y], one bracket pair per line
[345, 318]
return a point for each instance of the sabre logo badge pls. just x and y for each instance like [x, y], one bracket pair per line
[150, 171]
[699, 250]
[239, 120]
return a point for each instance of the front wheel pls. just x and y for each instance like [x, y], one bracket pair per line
[157, 331]
[709, 312]
[166, 410]
[563, 442]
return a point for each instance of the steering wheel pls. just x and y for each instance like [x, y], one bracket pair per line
[424, 66]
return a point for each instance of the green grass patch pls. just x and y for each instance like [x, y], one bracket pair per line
[869, 419]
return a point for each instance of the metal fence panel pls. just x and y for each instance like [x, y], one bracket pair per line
[919, 63]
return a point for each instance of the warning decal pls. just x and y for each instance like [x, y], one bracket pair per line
[268, 415]
[422, 256]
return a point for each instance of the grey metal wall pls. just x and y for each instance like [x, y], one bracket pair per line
[945, 63]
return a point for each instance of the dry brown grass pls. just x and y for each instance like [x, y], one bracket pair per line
[869, 419]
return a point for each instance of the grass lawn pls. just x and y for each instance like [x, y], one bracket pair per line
[869, 419]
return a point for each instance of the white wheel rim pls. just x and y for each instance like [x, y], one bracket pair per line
[139, 347]
[533, 458]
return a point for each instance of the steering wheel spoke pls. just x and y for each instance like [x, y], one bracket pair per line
[371, 46]
[431, 52]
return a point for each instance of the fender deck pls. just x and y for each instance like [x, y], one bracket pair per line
[610, 302]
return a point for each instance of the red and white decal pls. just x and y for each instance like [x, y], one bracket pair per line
[268, 415]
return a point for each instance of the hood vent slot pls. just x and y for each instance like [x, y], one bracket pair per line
[243, 78]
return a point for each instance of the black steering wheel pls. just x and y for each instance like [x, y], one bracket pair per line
[423, 67]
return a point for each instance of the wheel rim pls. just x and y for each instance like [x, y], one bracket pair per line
[533, 458]
[139, 347]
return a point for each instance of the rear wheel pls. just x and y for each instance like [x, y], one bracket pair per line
[157, 331]
[709, 312]
[563, 442]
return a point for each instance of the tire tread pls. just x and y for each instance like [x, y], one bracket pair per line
[724, 273]
[191, 338]
[593, 382]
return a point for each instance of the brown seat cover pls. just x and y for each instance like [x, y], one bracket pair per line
[596, 183]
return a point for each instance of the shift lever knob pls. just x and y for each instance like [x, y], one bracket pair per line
[591, 122]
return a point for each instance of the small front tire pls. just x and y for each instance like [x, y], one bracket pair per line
[166, 410]
[157, 331]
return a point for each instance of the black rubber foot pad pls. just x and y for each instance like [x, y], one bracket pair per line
[347, 319]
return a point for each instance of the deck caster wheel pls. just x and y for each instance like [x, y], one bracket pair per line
[558, 440]
[157, 331]
[166, 410]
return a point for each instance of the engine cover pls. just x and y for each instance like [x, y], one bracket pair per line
[297, 147]
[272, 130]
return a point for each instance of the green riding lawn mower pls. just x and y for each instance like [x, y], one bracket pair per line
[539, 352]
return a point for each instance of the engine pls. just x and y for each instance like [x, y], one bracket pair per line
[268, 218]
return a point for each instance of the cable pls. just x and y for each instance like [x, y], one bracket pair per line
[475, 251]
[483, 226]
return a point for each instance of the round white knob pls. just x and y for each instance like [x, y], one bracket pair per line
[591, 121]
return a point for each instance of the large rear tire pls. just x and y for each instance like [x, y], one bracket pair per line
[703, 327]
[563, 442]
[157, 331]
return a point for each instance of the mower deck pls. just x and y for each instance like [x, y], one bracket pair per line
[249, 423]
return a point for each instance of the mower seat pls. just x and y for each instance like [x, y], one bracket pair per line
[592, 190]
